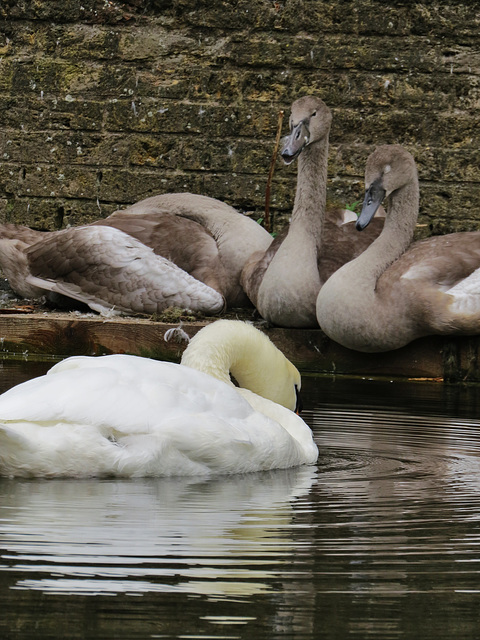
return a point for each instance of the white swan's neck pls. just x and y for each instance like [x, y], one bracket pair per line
[234, 348]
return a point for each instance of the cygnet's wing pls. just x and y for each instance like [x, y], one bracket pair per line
[342, 243]
[256, 266]
[26, 235]
[106, 268]
[182, 241]
[441, 275]
[236, 235]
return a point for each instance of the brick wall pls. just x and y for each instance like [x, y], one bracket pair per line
[103, 103]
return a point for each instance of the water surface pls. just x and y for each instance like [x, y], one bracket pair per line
[380, 539]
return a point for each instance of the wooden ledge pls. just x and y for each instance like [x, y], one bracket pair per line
[50, 335]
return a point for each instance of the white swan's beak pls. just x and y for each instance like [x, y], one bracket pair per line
[295, 142]
[373, 199]
[299, 403]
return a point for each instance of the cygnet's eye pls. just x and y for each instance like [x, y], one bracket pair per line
[314, 114]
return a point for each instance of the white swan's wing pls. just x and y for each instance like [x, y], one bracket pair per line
[131, 416]
[106, 268]
[127, 393]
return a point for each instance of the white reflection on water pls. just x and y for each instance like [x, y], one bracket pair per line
[216, 537]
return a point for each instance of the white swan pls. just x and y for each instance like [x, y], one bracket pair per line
[128, 416]
[396, 291]
[283, 281]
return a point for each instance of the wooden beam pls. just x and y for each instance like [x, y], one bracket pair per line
[57, 335]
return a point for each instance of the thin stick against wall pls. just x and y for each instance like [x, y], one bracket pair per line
[266, 222]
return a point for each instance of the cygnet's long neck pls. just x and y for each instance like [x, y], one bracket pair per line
[395, 238]
[350, 309]
[290, 285]
[234, 348]
[311, 194]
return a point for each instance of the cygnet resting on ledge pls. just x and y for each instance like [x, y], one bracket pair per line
[397, 291]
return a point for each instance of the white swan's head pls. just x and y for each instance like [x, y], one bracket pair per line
[310, 121]
[389, 168]
[232, 348]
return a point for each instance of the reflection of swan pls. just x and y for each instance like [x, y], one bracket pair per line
[129, 416]
[95, 536]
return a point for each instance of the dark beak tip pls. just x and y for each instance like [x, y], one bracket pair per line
[287, 157]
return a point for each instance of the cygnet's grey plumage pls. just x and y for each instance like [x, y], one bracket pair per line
[204, 236]
[283, 282]
[200, 243]
[397, 291]
[102, 267]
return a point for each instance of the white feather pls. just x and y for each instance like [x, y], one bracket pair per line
[129, 416]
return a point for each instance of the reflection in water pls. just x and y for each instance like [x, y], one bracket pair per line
[219, 537]
[381, 539]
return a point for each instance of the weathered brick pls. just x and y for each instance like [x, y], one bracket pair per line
[105, 103]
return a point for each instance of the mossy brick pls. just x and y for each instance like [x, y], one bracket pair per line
[50, 214]
[44, 113]
[6, 74]
[64, 147]
[441, 164]
[227, 156]
[434, 164]
[9, 178]
[88, 42]
[376, 17]
[158, 43]
[38, 213]
[51, 181]
[388, 126]
[338, 52]
[78, 212]
[341, 89]
[243, 14]
[27, 40]
[49, 76]
[450, 202]
[160, 151]
[65, 11]
[173, 117]
[130, 185]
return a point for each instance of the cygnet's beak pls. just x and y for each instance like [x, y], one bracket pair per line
[295, 142]
[373, 199]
